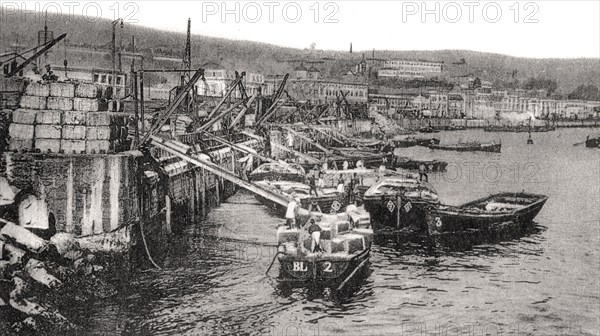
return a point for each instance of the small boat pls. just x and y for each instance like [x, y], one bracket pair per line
[487, 214]
[329, 199]
[428, 129]
[411, 164]
[399, 202]
[593, 142]
[345, 249]
[412, 141]
[520, 128]
[470, 147]
[273, 171]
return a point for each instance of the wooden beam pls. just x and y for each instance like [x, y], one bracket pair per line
[223, 173]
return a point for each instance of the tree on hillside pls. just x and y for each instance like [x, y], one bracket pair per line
[585, 92]
[549, 85]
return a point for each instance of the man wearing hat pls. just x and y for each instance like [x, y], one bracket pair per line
[292, 211]
[315, 233]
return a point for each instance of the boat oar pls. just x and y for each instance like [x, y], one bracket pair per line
[579, 143]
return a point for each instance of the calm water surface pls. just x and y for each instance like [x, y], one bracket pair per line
[541, 281]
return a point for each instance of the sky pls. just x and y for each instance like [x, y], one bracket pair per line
[538, 29]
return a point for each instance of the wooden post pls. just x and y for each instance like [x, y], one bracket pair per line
[136, 108]
[168, 214]
[142, 114]
[203, 192]
[398, 213]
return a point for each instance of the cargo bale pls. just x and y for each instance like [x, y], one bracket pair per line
[285, 235]
[98, 119]
[72, 132]
[20, 145]
[366, 233]
[24, 116]
[20, 131]
[86, 105]
[47, 145]
[65, 90]
[353, 243]
[97, 146]
[38, 89]
[72, 146]
[34, 102]
[60, 103]
[342, 226]
[327, 233]
[48, 131]
[97, 133]
[51, 117]
[88, 90]
[337, 245]
[74, 118]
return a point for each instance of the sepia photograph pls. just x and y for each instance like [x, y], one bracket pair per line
[300, 168]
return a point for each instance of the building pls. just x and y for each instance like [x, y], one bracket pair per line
[301, 72]
[218, 80]
[327, 90]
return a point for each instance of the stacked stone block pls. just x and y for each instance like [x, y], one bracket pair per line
[67, 117]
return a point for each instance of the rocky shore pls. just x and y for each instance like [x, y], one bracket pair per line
[42, 279]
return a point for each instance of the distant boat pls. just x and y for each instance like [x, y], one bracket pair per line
[412, 141]
[428, 129]
[470, 147]
[593, 142]
[487, 214]
[519, 129]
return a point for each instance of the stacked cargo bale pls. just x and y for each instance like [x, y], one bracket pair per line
[67, 117]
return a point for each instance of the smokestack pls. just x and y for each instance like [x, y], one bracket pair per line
[351, 47]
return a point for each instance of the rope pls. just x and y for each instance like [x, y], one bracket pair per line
[146, 246]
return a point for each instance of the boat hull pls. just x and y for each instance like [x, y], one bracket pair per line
[453, 220]
[385, 213]
[592, 143]
[324, 269]
[492, 148]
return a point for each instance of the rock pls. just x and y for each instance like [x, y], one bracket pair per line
[4, 267]
[98, 268]
[14, 255]
[64, 242]
[19, 289]
[73, 255]
[27, 326]
[90, 257]
[37, 272]
[24, 237]
[80, 263]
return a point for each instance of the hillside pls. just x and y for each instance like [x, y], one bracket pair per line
[271, 59]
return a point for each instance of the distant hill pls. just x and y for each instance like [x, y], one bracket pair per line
[265, 58]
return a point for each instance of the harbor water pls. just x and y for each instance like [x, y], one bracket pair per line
[543, 280]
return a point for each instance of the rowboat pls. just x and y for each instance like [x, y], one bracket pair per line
[428, 129]
[345, 249]
[399, 202]
[593, 142]
[470, 147]
[487, 214]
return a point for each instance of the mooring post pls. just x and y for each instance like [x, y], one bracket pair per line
[168, 214]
